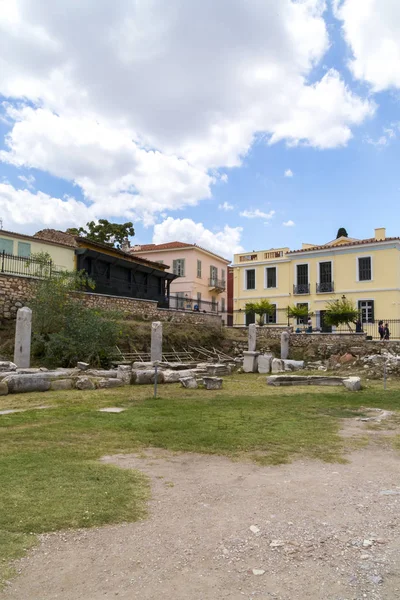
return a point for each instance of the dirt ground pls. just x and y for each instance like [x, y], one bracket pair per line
[219, 529]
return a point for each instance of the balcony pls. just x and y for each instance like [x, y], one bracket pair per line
[325, 288]
[219, 285]
[301, 289]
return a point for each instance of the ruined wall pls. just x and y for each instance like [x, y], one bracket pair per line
[14, 293]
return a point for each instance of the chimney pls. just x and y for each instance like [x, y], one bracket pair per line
[380, 234]
[125, 246]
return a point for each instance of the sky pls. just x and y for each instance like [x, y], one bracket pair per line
[234, 124]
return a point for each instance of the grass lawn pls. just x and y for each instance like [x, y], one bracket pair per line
[51, 479]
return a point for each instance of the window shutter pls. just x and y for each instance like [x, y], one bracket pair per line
[6, 246]
[24, 249]
[175, 267]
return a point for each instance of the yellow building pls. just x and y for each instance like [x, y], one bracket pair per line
[366, 272]
[16, 248]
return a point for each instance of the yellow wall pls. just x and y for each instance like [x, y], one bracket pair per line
[62, 257]
[383, 289]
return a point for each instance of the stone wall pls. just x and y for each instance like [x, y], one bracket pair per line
[16, 291]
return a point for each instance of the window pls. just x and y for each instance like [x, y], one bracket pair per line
[274, 254]
[250, 318]
[366, 308]
[199, 299]
[325, 272]
[250, 281]
[6, 246]
[302, 274]
[213, 274]
[213, 303]
[302, 320]
[199, 269]
[24, 249]
[178, 267]
[180, 299]
[364, 269]
[270, 319]
[271, 277]
[222, 304]
[223, 274]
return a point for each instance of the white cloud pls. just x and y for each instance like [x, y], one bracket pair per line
[389, 135]
[225, 242]
[226, 206]
[39, 210]
[289, 223]
[29, 180]
[288, 173]
[371, 28]
[140, 113]
[257, 214]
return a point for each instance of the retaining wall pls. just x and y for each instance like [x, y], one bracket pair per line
[16, 292]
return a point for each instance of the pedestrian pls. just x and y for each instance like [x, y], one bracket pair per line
[381, 330]
[386, 332]
[359, 328]
[309, 325]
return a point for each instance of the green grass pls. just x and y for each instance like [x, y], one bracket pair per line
[51, 478]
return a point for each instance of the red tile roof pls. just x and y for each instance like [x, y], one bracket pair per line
[357, 243]
[171, 246]
[167, 246]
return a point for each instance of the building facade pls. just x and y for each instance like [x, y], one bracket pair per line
[201, 282]
[367, 272]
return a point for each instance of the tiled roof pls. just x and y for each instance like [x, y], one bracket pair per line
[57, 237]
[357, 243]
[167, 246]
[170, 246]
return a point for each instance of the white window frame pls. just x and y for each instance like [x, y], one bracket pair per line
[266, 277]
[276, 315]
[300, 264]
[245, 279]
[308, 311]
[358, 268]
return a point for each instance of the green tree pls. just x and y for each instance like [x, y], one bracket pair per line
[341, 312]
[113, 234]
[298, 312]
[64, 330]
[264, 307]
[342, 233]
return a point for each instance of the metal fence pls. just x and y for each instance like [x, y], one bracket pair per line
[193, 304]
[371, 329]
[26, 266]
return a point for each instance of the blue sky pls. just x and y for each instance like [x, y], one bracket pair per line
[231, 124]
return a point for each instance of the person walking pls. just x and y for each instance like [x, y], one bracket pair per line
[309, 325]
[381, 330]
[386, 332]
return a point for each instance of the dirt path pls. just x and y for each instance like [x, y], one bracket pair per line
[319, 531]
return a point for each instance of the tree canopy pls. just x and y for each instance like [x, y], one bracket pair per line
[261, 308]
[341, 312]
[342, 233]
[113, 234]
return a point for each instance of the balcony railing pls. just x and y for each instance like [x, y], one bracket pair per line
[301, 289]
[325, 288]
[26, 266]
[217, 284]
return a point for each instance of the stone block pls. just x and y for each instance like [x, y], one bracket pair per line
[218, 370]
[6, 365]
[110, 383]
[3, 388]
[252, 338]
[62, 384]
[156, 341]
[189, 382]
[82, 366]
[18, 384]
[23, 332]
[264, 363]
[84, 383]
[103, 373]
[293, 365]
[124, 373]
[212, 383]
[148, 377]
[175, 376]
[277, 365]
[278, 380]
[285, 339]
[250, 362]
[352, 383]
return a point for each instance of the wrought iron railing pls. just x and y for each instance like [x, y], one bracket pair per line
[325, 288]
[24, 266]
[301, 288]
[193, 304]
[216, 283]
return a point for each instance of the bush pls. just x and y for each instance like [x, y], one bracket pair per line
[65, 331]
